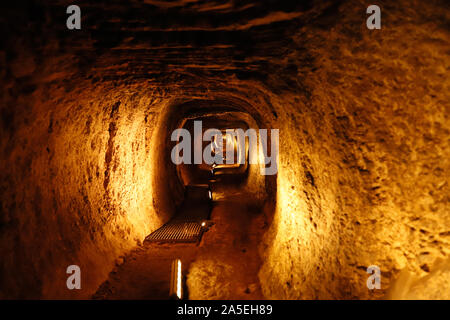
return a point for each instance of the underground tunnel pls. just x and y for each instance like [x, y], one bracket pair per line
[225, 150]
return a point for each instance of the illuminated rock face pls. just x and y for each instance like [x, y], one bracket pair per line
[77, 178]
[363, 118]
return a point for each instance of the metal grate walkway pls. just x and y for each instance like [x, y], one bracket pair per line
[177, 232]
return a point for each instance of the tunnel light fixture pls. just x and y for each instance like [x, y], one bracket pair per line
[203, 223]
[176, 289]
[210, 194]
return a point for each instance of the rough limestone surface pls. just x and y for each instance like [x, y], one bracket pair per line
[364, 126]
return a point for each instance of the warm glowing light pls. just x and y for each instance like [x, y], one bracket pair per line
[230, 142]
[210, 194]
[179, 279]
[203, 223]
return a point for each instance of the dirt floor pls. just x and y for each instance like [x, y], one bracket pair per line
[224, 265]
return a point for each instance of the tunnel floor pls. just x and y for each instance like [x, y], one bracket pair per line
[190, 221]
[231, 241]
